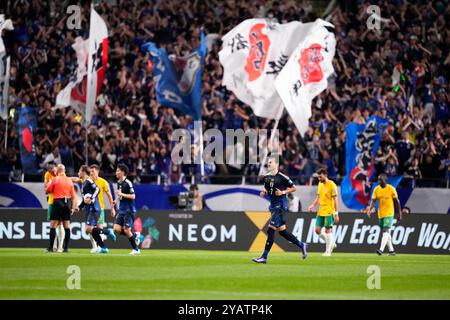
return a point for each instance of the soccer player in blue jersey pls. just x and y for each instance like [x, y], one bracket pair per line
[125, 196]
[277, 185]
[91, 203]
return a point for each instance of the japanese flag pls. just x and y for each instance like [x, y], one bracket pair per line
[305, 74]
[97, 60]
[74, 94]
[252, 55]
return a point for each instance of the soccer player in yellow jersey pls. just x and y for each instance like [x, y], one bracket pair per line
[386, 195]
[60, 233]
[328, 210]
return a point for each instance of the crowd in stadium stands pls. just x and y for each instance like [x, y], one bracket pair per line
[130, 127]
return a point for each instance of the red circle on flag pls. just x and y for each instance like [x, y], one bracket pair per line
[27, 139]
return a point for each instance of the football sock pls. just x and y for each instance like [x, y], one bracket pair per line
[97, 238]
[52, 238]
[55, 243]
[269, 242]
[61, 234]
[290, 237]
[133, 242]
[389, 243]
[93, 241]
[323, 236]
[327, 242]
[330, 239]
[66, 238]
[384, 240]
[57, 238]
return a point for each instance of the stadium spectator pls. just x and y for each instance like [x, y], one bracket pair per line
[130, 127]
[198, 203]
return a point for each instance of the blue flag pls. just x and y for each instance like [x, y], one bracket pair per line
[179, 80]
[27, 123]
[362, 141]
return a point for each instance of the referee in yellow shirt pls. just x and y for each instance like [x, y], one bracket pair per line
[386, 195]
[328, 210]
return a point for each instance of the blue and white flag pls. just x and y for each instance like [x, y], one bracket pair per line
[362, 141]
[179, 79]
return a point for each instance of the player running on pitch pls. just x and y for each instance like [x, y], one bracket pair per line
[328, 210]
[91, 203]
[277, 185]
[386, 195]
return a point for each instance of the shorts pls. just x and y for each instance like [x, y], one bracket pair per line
[386, 222]
[101, 219]
[278, 217]
[125, 219]
[61, 210]
[324, 221]
[49, 211]
[92, 217]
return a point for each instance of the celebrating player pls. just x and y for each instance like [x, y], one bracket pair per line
[49, 175]
[277, 185]
[386, 195]
[123, 223]
[328, 210]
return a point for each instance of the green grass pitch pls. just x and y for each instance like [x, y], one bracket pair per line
[170, 274]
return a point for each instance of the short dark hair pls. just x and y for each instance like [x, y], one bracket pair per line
[85, 169]
[122, 167]
[322, 171]
[95, 166]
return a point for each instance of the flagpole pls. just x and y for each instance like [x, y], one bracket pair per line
[272, 137]
[6, 130]
[86, 142]
[198, 138]
[86, 145]
[202, 163]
